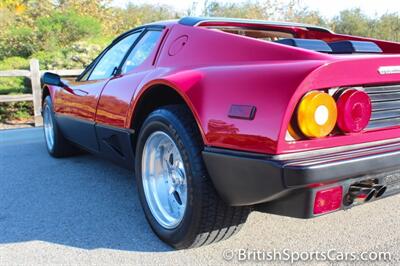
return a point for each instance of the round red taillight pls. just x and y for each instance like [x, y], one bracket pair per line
[354, 111]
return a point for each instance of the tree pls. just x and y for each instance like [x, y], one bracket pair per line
[135, 15]
[353, 22]
[18, 41]
[246, 9]
[388, 27]
[295, 11]
[64, 28]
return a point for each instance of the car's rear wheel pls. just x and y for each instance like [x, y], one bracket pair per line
[56, 144]
[177, 195]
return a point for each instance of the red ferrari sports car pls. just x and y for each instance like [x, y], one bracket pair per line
[218, 117]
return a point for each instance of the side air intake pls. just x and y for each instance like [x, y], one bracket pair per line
[351, 47]
[315, 45]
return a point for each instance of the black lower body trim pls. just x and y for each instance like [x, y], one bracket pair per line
[112, 143]
[249, 179]
[79, 131]
[244, 180]
[116, 144]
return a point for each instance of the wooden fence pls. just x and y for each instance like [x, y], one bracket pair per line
[34, 74]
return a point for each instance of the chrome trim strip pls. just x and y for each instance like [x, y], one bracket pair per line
[386, 70]
[348, 155]
[328, 151]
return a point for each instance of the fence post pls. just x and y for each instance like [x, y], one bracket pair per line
[36, 91]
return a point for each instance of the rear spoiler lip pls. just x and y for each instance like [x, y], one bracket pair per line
[197, 21]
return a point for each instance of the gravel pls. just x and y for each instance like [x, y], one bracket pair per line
[85, 211]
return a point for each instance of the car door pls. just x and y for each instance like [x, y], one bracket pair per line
[115, 99]
[76, 106]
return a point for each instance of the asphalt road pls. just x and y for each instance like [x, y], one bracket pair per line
[84, 211]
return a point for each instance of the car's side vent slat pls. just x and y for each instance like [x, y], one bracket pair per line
[382, 89]
[384, 123]
[388, 96]
[389, 114]
[385, 106]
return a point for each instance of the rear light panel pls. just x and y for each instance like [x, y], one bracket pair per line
[337, 111]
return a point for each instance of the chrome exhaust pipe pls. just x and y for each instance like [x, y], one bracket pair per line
[359, 194]
[379, 190]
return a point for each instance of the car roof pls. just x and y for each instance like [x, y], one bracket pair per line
[163, 22]
[196, 21]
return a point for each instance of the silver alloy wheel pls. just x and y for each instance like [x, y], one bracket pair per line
[164, 180]
[48, 127]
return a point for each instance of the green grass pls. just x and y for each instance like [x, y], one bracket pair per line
[15, 111]
[14, 85]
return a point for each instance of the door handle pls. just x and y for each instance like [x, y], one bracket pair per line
[79, 92]
[76, 92]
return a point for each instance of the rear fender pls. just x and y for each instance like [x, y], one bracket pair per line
[210, 92]
[181, 83]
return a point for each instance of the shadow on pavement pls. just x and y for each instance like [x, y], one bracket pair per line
[83, 202]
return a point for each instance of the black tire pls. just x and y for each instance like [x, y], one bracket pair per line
[61, 147]
[207, 218]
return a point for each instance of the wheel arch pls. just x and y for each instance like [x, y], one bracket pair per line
[45, 93]
[156, 96]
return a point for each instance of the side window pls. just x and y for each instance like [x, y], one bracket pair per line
[112, 58]
[141, 51]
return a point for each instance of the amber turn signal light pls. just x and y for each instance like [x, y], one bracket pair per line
[317, 114]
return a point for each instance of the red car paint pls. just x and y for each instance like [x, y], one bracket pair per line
[214, 70]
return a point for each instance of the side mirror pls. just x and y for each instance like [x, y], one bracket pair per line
[52, 79]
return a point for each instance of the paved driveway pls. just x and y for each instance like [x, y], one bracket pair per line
[84, 210]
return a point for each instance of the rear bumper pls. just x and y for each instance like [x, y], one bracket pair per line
[249, 179]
